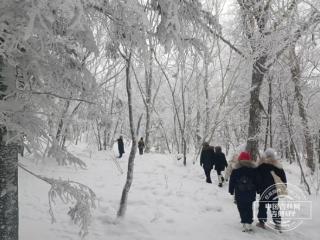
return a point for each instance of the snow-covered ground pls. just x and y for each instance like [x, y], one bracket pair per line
[166, 201]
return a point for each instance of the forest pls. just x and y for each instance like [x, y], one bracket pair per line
[77, 74]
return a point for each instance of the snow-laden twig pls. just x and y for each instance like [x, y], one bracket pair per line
[70, 192]
[63, 157]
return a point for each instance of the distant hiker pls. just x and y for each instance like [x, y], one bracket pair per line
[220, 163]
[270, 172]
[141, 146]
[243, 183]
[120, 146]
[207, 160]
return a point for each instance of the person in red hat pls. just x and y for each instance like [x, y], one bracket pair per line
[243, 184]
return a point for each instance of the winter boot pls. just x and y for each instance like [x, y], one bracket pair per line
[278, 227]
[220, 184]
[261, 225]
[222, 178]
[249, 227]
[244, 228]
[208, 181]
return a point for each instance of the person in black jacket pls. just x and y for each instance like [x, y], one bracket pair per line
[141, 146]
[243, 183]
[207, 160]
[220, 162]
[120, 146]
[268, 166]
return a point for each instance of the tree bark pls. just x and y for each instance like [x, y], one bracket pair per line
[9, 213]
[206, 94]
[61, 122]
[319, 147]
[149, 82]
[255, 107]
[125, 191]
[296, 78]
[269, 118]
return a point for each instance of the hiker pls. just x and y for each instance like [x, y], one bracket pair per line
[220, 163]
[270, 172]
[243, 184]
[141, 146]
[120, 146]
[207, 160]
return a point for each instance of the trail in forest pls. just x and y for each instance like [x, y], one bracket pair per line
[166, 201]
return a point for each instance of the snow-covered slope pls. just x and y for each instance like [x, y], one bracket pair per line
[166, 201]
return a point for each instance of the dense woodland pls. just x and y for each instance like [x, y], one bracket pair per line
[177, 73]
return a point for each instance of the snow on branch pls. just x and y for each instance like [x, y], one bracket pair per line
[70, 192]
[64, 158]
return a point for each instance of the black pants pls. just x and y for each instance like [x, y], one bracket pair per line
[245, 211]
[220, 176]
[140, 151]
[207, 172]
[274, 208]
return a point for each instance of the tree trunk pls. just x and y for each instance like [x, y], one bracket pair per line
[110, 136]
[149, 82]
[175, 132]
[269, 118]
[319, 147]
[66, 124]
[9, 213]
[292, 154]
[99, 136]
[61, 122]
[255, 107]
[281, 149]
[296, 78]
[105, 139]
[183, 129]
[206, 94]
[125, 191]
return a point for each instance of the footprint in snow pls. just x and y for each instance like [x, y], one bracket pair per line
[170, 220]
[212, 208]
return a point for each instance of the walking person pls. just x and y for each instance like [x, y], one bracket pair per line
[141, 146]
[220, 163]
[243, 184]
[120, 146]
[269, 170]
[207, 160]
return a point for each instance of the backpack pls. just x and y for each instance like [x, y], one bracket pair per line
[245, 184]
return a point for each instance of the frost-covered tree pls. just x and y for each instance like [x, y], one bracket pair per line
[268, 30]
[42, 48]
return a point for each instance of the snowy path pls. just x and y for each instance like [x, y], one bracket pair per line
[166, 201]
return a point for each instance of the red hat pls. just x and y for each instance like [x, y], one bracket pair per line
[244, 156]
